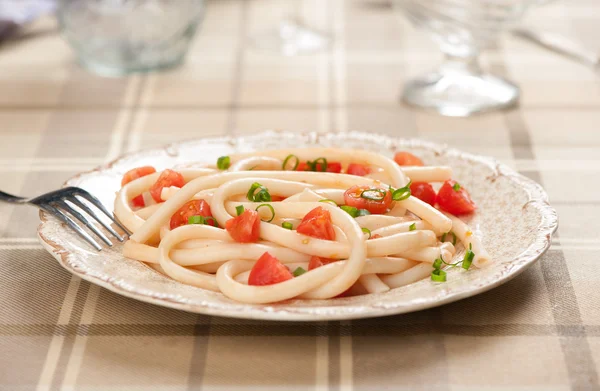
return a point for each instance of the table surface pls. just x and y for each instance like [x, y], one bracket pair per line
[540, 331]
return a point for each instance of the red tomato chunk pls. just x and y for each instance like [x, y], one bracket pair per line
[374, 199]
[358, 169]
[455, 199]
[407, 159]
[423, 191]
[268, 270]
[189, 209]
[167, 178]
[244, 228]
[317, 223]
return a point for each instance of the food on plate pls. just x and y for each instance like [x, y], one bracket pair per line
[314, 223]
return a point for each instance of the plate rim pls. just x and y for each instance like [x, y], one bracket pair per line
[537, 198]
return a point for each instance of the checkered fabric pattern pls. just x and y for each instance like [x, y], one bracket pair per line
[540, 331]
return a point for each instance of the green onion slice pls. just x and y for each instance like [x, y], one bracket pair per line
[453, 238]
[438, 275]
[443, 239]
[202, 220]
[287, 159]
[367, 231]
[437, 264]
[327, 200]
[401, 193]
[287, 225]
[316, 166]
[412, 227]
[298, 272]
[272, 211]
[456, 187]
[262, 195]
[223, 162]
[196, 220]
[373, 194]
[352, 211]
[239, 209]
[468, 259]
[362, 212]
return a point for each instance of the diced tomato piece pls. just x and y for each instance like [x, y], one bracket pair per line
[189, 209]
[407, 159]
[137, 173]
[358, 169]
[244, 228]
[316, 262]
[423, 191]
[138, 201]
[317, 223]
[455, 199]
[376, 236]
[167, 178]
[268, 270]
[380, 205]
[275, 198]
[335, 167]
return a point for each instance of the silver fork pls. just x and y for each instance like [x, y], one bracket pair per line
[55, 203]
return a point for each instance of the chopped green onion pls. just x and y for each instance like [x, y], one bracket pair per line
[287, 159]
[239, 209]
[367, 231]
[438, 275]
[272, 211]
[287, 225]
[437, 264]
[196, 220]
[453, 238]
[314, 165]
[468, 259]
[262, 195]
[412, 227]
[298, 272]
[373, 194]
[332, 202]
[443, 239]
[456, 187]
[223, 162]
[202, 220]
[352, 211]
[362, 212]
[401, 193]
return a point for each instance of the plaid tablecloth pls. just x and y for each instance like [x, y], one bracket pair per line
[540, 331]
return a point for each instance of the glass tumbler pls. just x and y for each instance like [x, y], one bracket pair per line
[462, 28]
[118, 37]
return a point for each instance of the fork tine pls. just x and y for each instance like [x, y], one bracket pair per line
[96, 202]
[67, 220]
[67, 208]
[90, 212]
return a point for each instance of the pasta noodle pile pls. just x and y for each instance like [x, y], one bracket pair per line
[275, 225]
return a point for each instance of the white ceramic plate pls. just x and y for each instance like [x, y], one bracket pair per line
[514, 219]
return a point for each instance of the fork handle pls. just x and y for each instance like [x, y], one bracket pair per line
[5, 197]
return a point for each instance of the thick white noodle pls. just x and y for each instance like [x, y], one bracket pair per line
[207, 257]
[468, 238]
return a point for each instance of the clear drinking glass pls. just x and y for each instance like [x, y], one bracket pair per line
[462, 28]
[292, 35]
[118, 37]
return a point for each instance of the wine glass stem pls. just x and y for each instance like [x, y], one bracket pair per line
[454, 64]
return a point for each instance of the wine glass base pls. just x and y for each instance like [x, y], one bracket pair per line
[460, 94]
[291, 38]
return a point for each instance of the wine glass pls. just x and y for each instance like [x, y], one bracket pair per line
[292, 35]
[462, 28]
